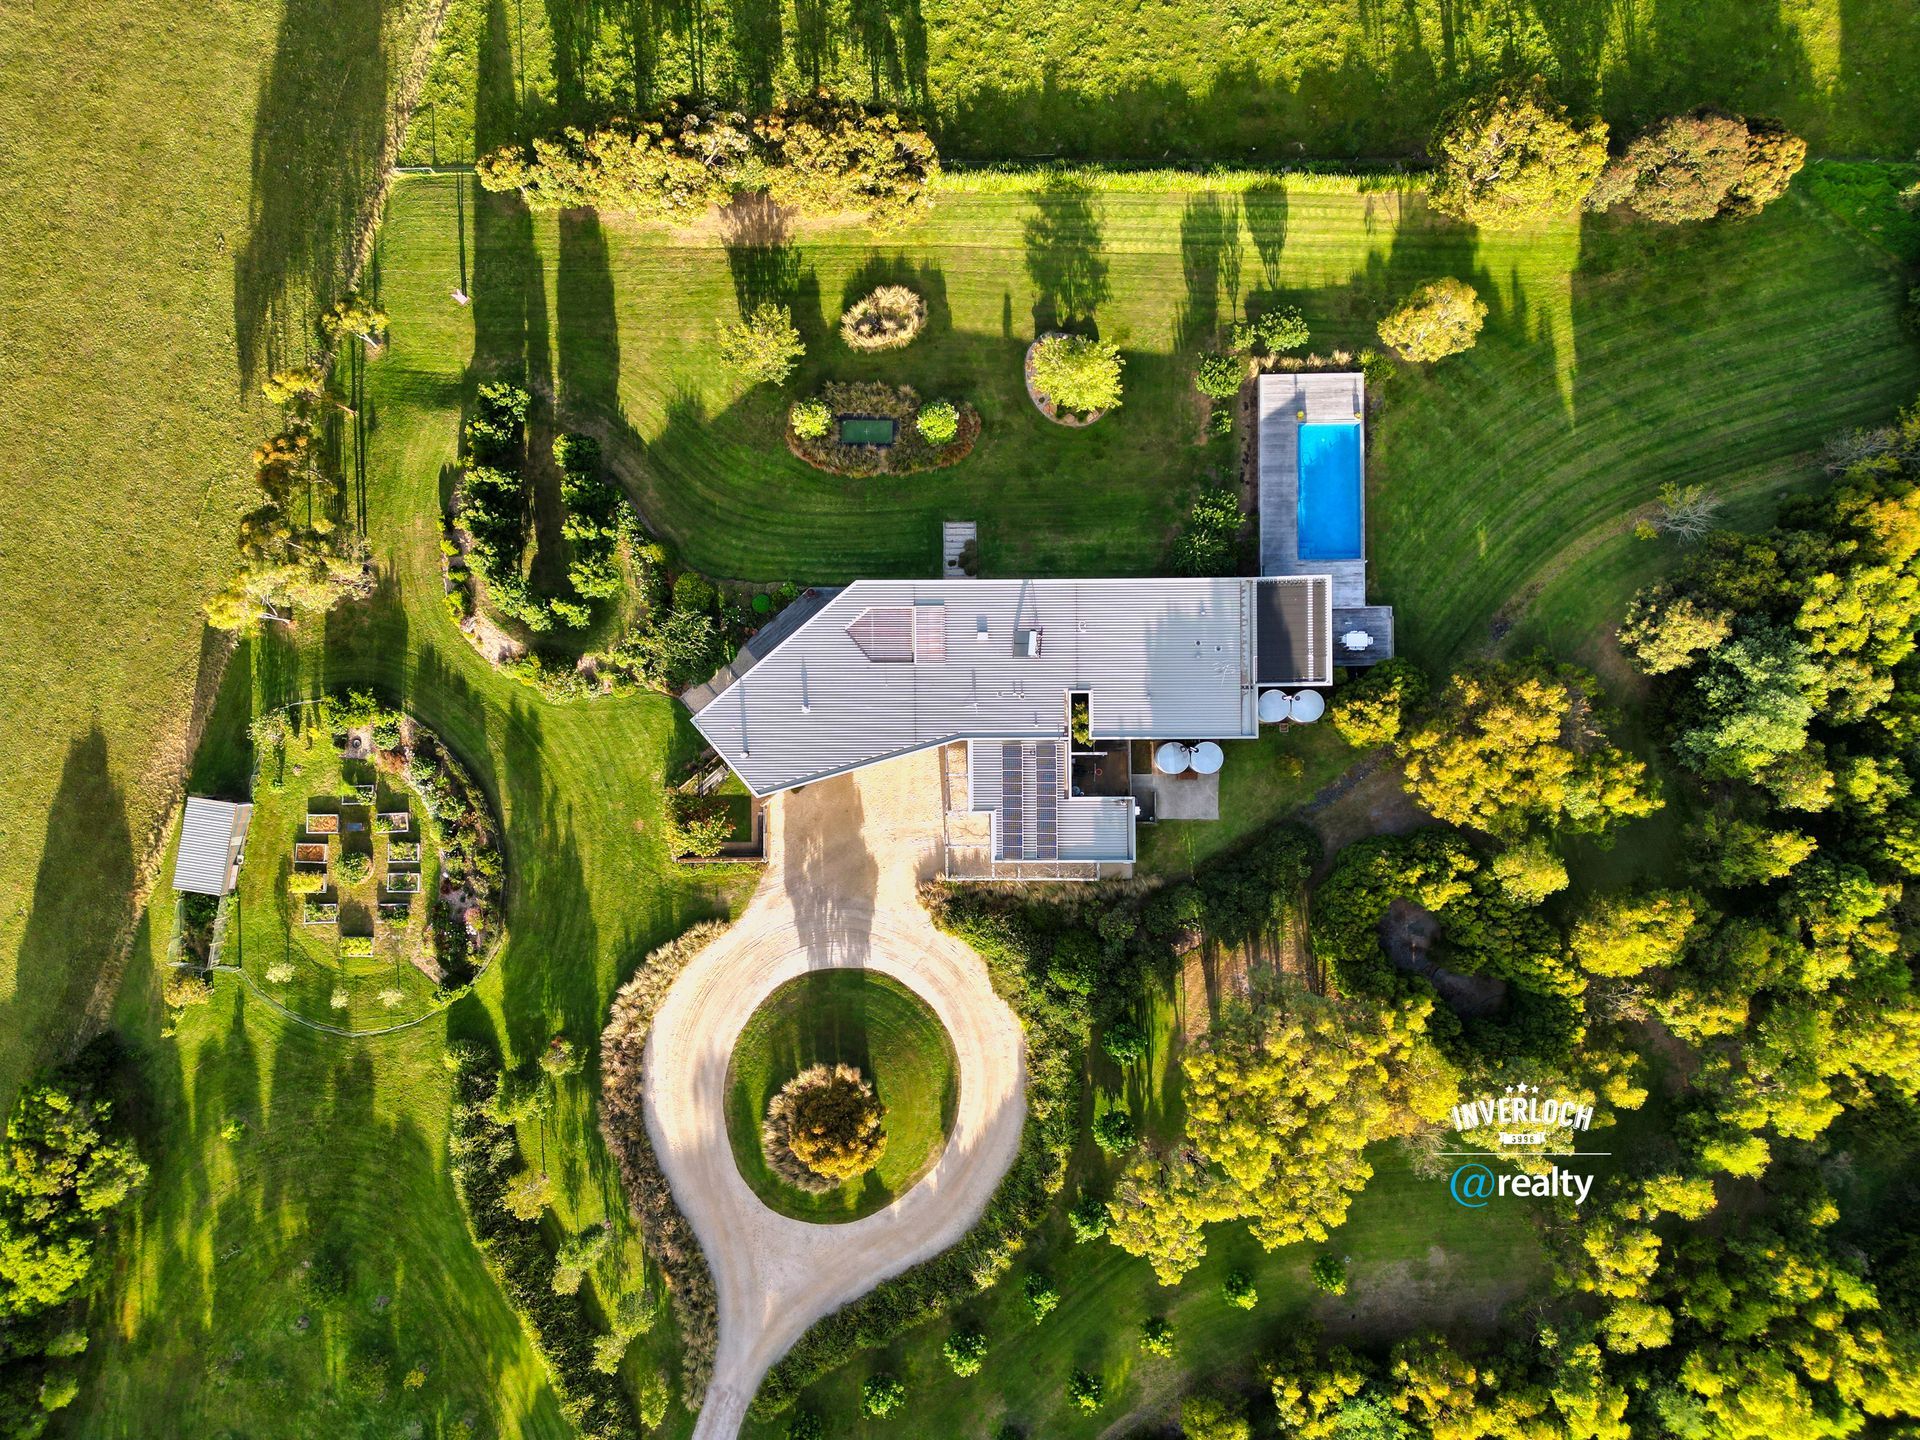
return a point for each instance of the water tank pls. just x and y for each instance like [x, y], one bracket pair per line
[1307, 706]
[1172, 758]
[1273, 706]
[1207, 758]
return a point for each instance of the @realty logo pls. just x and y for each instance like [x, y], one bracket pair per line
[1523, 1125]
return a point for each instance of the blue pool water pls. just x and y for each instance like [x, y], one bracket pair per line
[1330, 492]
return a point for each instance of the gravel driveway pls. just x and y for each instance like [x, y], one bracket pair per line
[845, 857]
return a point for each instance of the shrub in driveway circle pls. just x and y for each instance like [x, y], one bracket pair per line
[883, 319]
[810, 418]
[824, 1128]
[1076, 373]
[938, 422]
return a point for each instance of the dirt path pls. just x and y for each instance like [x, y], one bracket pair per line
[845, 859]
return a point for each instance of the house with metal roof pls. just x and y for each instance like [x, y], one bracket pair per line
[997, 670]
[213, 839]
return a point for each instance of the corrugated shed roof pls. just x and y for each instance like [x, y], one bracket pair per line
[1160, 658]
[211, 836]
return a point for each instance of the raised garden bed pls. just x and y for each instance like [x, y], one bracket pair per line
[318, 913]
[310, 852]
[403, 882]
[322, 823]
[874, 404]
[403, 852]
[393, 822]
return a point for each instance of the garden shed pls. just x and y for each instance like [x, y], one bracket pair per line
[212, 838]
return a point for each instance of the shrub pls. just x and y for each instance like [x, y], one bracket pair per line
[883, 319]
[1439, 319]
[1078, 374]
[965, 1351]
[881, 1395]
[806, 1425]
[1209, 544]
[824, 155]
[356, 947]
[1238, 1290]
[938, 422]
[186, 987]
[762, 345]
[528, 1194]
[355, 867]
[1125, 1041]
[1156, 1336]
[1224, 1417]
[279, 973]
[1219, 377]
[810, 418]
[824, 1128]
[1042, 1298]
[1373, 708]
[673, 166]
[306, 882]
[693, 593]
[1088, 1218]
[1512, 158]
[1115, 1132]
[697, 825]
[1274, 333]
[1329, 1272]
[1085, 1390]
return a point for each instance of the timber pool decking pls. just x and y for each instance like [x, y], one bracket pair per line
[1326, 399]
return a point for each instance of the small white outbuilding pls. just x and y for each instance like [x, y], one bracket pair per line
[213, 836]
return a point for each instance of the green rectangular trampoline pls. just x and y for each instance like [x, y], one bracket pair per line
[867, 430]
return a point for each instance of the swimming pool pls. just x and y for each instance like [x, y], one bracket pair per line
[1329, 510]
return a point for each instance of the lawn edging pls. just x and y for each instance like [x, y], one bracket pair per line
[664, 1230]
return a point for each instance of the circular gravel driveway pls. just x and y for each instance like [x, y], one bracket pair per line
[844, 860]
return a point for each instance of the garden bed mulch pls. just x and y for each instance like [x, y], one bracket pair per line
[910, 452]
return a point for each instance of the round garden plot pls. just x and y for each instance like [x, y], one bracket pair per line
[370, 886]
[840, 1095]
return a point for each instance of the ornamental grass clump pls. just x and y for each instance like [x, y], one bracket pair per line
[824, 1128]
[884, 319]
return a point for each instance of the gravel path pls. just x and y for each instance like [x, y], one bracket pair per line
[845, 858]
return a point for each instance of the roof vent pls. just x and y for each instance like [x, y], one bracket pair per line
[1030, 643]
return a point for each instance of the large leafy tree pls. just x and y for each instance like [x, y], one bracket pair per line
[1512, 158]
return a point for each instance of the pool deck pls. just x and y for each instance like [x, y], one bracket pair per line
[1280, 399]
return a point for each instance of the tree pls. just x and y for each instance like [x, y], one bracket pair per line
[1042, 1298]
[698, 824]
[1114, 1132]
[1372, 708]
[1085, 1390]
[1156, 1336]
[1441, 318]
[1124, 1041]
[528, 1194]
[1209, 543]
[1686, 512]
[1238, 1290]
[1078, 374]
[1512, 158]
[577, 1255]
[1750, 706]
[680, 162]
[965, 1351]
[1214, 1417]
[1329, 1272]
[762, 345]
[356, 316]
[881, 1395]
[296, 386]
[1732, 851]
[1088, 1218]
[1513, 743]
[1683, 168]
[1529, 872]
[827, 155]
[1664, 631]
[1624, 935]
[1219, 377]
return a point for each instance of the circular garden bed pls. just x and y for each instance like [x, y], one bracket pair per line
[370, 892]
[1044, 403]
[829, 431]
[856, 1028]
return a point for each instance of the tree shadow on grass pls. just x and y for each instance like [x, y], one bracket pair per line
[765, 262]
[1066, 258]
[82, 896]
[318, 132]
[1210, 252]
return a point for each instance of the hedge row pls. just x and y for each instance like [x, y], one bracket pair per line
[669, 1240]
[1018, 954]
[484, 1158]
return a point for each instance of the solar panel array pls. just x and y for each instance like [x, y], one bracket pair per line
[1029, 801]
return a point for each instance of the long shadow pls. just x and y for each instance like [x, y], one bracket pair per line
[765, 263]
[82, 896]
[317, 137]
[1210, 250]
[1066, 259]
[757, 47]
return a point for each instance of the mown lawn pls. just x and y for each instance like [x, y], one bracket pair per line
[1214, 80]
[179, 182]
[883, 1030]
[1615, 360]
[277, 1150]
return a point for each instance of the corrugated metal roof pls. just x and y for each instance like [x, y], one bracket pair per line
[1160, 659]
[211, 836]
[1086, 827]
